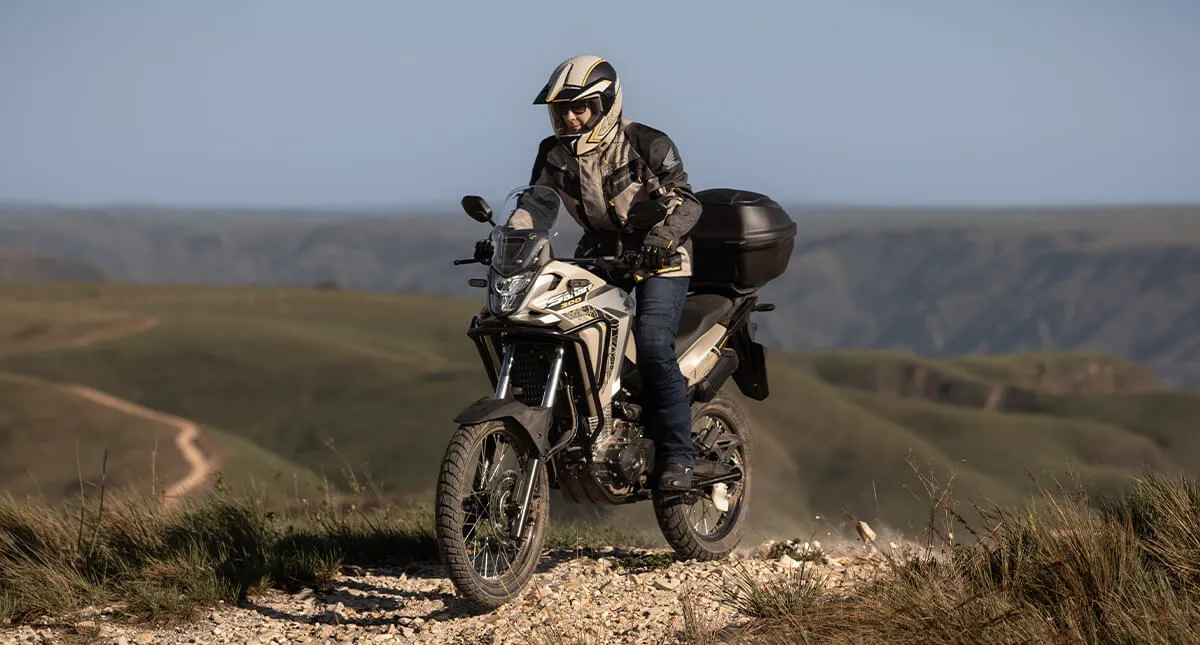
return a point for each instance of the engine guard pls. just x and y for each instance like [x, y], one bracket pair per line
[535, 421]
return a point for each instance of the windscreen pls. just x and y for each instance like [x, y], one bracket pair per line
[529, 214]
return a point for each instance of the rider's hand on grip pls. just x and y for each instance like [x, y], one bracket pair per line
[658, 248]
[654, 258]
[483, 251]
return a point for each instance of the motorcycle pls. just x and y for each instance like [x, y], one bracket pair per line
[556, 341]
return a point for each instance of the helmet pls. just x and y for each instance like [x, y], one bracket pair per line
[577, 82]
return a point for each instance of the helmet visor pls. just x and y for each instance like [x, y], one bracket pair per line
[575, 117]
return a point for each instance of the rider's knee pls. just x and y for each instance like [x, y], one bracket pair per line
[659, 352]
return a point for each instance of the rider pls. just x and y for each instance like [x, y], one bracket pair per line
[626, 180]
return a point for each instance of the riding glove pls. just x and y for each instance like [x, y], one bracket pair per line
[483, 251]
[658, 248]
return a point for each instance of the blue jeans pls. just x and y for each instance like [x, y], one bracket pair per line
[664, 399]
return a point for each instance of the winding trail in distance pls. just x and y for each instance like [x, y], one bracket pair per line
[200, 466]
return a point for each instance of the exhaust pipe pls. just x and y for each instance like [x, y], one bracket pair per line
[707, 388]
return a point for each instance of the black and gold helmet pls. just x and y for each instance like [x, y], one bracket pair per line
[583, 81]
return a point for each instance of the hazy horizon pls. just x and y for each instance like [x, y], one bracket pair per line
[378, 105]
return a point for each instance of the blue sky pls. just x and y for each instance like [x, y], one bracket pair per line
[299, 102]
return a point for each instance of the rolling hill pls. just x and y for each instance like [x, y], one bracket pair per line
[1125, 281]
[306, 383]
[32, 267]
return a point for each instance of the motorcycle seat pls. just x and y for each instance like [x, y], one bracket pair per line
[700, 312]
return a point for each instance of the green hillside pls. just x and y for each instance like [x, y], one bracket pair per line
[944, 283]
[310, 382]
[50, 437]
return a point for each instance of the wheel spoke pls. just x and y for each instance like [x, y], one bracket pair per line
[718, 441]
[491, 506]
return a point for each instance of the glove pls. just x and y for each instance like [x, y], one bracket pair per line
[658, 248]
[483, 251]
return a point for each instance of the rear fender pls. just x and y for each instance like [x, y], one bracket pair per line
[751, 372]
[534, 421]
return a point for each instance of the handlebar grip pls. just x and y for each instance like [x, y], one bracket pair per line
[467, 261]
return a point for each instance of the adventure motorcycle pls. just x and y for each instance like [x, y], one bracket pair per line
[556, 341]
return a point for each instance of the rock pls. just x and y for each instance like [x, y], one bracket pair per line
[590, 600]
[144, 638]
[865, 532]
[764, 549]
[335, 614]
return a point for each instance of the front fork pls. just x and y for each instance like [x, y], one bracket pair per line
[503, 387]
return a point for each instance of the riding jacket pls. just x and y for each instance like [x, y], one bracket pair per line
[624, 188]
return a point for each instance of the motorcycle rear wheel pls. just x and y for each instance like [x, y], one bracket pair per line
[699, 530]
[479, 493]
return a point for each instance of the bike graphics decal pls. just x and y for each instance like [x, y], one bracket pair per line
[584, 313]
[570, 298]
[611, 358]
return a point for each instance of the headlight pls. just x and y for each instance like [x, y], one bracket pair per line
[506, 293]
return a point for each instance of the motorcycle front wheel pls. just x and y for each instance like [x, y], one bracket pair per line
[484, 480]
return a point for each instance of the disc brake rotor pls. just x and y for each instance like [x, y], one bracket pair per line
[501, 499]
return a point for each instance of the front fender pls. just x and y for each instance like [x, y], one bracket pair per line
[535, 421]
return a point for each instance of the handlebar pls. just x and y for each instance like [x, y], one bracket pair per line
[629, 260]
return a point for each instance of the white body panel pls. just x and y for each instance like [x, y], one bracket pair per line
[566, 297]
[700, 358]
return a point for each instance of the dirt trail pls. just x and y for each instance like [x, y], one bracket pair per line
[185, 440]
[587, 596]
[136, 326]
[200, 465]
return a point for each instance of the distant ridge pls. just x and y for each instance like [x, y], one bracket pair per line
[936, 281]
[32, 267]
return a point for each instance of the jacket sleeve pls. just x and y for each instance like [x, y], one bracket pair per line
[534, 203]
[666, 164]
[539, 176]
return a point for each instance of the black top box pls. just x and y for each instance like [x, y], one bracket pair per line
[742, 241]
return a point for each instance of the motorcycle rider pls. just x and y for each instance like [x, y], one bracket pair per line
[626, 183]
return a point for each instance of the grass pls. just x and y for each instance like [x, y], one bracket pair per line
[294, 386]
[1065, 566]
[152, 560]
[75, 434]
[285, 370]
[1068, 568]
[128, 551]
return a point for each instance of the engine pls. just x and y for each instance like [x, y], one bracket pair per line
[627, 457]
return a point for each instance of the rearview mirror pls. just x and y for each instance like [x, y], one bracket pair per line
[477, 208]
